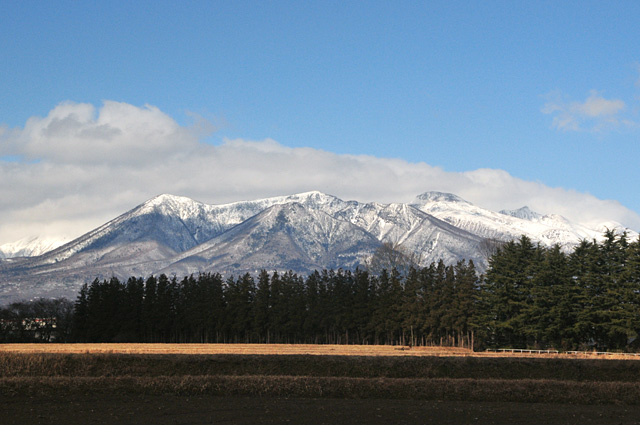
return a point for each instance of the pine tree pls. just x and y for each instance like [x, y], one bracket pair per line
[506, 294]
[552, 315]
[262, 308]
[148, 310]
[240, 296]
[464, 304]
[81, 315]
[631, 296]
[412, 306]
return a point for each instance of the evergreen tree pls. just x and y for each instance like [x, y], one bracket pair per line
[360, 314]
[239, 297]
[464, 304]
[149, 310]
[312, 326]
[552, 316]
[262, 308]
[506, 294]
[412, 306]
[81, 315]
[530, 297]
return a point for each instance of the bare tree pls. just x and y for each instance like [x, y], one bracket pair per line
[392, 255]
[489, 246]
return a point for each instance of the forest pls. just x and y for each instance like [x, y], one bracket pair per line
[529, 297]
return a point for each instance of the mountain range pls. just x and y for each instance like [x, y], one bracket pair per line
[303, 232]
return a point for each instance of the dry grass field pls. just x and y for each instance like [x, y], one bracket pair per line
[141, 380]
[295, 349]
[265, 349]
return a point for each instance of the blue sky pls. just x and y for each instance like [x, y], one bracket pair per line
[547, 91]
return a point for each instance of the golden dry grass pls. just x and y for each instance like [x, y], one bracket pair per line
[579, 355]
[335, 371]
[266, 349]
[292, 349]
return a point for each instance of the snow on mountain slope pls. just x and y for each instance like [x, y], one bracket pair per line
[400, 224]
[284, 236]
[179, 223]
[388, 223]
[414, 231]
[30, 247]
[435, 240]
[300, 232]
[506, 225]
[524, 213]
[580, 230]
[476, 220]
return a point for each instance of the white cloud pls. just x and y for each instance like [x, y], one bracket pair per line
[594, 114]
[116, 133]
[85, 167]
[596, 106]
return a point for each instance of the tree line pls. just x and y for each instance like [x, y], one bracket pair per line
[544, 298]
[329, 307]
[530, 297]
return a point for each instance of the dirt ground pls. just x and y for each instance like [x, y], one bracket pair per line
[170, 409]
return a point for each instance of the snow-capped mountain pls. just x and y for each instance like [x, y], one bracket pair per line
[30, 247]
[177, 235]
[283, 236]
[507, 225]
[524, 213]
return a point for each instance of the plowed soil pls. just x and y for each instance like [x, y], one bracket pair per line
[171, 409]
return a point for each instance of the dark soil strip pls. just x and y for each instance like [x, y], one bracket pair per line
[81, 409]
[97, 365]
[494, 390]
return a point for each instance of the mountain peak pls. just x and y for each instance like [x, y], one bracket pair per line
[312, 193]
[524, 213]
[169, 205]
[31, 246]
[167, 198]
[434, 196]
[305, 231]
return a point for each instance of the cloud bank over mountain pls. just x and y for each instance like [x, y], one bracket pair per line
[79, 166]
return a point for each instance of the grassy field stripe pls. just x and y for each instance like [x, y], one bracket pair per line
[531, 391]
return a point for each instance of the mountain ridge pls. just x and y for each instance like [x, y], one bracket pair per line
[301, 232]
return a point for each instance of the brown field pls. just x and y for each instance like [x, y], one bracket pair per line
[259, 383]
[266, 349]
[194, 410]
[294, 349]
